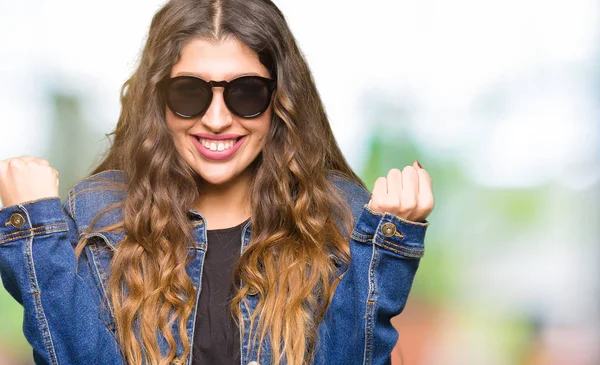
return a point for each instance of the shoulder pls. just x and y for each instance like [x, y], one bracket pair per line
[353, 193]
[93, 194]
[108, 177]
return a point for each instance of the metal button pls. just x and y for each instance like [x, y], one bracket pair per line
[16, 220]
[253, 363]
[252, 291]
[388, 229]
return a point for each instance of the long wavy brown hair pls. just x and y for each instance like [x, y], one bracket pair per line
[300, 223]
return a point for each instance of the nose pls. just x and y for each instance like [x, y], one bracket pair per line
[217, 117]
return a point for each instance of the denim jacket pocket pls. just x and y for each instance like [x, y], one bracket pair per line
[100, 256]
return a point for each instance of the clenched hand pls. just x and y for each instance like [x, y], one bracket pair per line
[407, 193]
[26, 178]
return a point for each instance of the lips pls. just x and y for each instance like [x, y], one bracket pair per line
[217, 137]
[217, 155]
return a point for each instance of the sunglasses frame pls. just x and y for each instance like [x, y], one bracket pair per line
[165, 84]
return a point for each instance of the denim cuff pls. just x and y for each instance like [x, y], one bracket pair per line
[390, 232]
[31, 218]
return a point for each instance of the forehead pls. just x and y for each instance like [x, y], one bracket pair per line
[225, 60]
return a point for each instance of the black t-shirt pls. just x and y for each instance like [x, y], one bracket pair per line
[216, 335]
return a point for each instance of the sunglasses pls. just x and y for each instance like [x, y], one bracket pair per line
[190, 96]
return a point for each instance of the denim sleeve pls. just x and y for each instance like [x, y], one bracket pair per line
[385, 253]
[38, 268]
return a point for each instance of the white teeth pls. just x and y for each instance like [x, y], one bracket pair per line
[217, 145]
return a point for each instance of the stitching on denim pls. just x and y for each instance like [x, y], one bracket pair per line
[370, 324]
[245, 313]
[34, 229]
[93, 176]
[29, 202]
[192, 319]
[242, 317]
[39, 310]
[398, 234]
[46, 336]
[403, 252]
[371, 297]
[394, 247]
[360, 236]
[95, 189]
[101, 274]
[37, 231]
[71, 202]
[101, 235]
[403, 247]
[199, 246]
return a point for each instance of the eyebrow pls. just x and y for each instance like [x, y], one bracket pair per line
[227, 77]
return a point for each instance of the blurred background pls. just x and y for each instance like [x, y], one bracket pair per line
[497, 99]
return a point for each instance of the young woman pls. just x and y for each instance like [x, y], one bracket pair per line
[224, 225]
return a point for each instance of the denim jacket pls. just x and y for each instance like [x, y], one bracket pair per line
[68, 318]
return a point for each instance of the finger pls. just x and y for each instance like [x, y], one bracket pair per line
[23, 160]
[426, 200]
[379, 191]
[40, 161]
[410, 190]
[394, 186]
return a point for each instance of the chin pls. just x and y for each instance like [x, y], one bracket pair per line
[217, 179]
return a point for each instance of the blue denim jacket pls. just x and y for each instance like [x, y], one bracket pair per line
[68, 318]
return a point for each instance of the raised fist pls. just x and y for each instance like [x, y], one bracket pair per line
[26, 178]
[407, 193]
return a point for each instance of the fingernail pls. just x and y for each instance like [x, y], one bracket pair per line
[418, 164]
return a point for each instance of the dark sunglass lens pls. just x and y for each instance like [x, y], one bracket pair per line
[188, 96]
[248, 96]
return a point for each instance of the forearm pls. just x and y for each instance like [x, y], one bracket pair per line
[38, 268]
[385, 254]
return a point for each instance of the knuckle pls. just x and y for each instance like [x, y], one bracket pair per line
[425, 204]
[409, 204]
[426, 208]
[16, 162]
[377, 200]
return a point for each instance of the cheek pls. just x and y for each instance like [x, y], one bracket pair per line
[265, 123]
[173, 121]
[178, 129]
[170, 119]
[176, 125]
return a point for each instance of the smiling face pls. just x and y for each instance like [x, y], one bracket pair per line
[199, 140]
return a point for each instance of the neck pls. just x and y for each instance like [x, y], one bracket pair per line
[225, 205]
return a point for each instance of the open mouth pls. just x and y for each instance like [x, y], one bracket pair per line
[218, 147]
